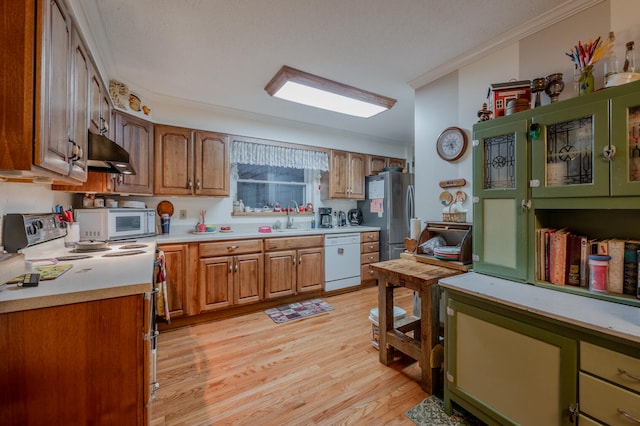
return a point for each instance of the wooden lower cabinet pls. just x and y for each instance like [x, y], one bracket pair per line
[177, 267]
[230, 273]
[293, 265]
[369, 253]
[508, 371]
[280, 274]
[83, 363]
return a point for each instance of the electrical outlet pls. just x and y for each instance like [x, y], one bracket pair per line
[183, 214]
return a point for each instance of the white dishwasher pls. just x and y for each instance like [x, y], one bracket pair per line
[341, 261]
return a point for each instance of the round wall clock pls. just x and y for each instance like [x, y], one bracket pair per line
[451, 143]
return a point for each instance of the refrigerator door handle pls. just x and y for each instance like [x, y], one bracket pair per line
[409, 203]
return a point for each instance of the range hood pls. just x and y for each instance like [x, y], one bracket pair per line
[107, 156]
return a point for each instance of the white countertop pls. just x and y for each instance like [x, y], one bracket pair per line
[87, 280]
[182, 234]
[600, 315]
[104, 277]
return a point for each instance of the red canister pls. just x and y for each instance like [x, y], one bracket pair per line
[598, 272]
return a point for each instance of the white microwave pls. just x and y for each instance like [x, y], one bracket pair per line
[106, 224]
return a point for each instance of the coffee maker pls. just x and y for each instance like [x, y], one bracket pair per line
[325, 217]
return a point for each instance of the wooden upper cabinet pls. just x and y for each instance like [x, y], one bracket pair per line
[189, 162]
[345, 179]
[356, 176]
[136, 136]
[95, 102]
[173, 161]
[53, 120]
[80, 76]
[396, 162]
[211, 152]
[376, 164]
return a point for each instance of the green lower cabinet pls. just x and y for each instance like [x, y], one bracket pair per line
[505, 369]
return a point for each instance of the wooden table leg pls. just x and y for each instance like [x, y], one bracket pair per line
[385, 319]
[429, 335]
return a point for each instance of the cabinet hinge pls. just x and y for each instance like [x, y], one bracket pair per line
[534, 183]
[475, 258]
[574, 411]
[450, 311]
[476, 142]
[475, 199]
[450, 377]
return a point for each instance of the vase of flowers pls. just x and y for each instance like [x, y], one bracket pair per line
[585, 56]
[585, 82]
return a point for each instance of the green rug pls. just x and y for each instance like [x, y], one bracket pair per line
[430, 412]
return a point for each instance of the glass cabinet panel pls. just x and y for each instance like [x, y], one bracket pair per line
[634, 142]
[567, 158]
[625, 136]
[500, 161]
[568, 154]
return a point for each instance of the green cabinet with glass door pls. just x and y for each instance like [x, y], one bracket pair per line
[500, 175]
[576, 165]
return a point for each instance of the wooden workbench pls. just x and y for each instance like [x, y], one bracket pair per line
[422, 278]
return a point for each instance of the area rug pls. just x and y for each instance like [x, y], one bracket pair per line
[430, 412]
[294, 311]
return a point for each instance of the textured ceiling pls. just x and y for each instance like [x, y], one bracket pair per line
[223, 52]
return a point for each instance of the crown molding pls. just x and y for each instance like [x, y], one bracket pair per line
[553, 16]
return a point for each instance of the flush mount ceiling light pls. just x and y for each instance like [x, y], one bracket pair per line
[308, 89]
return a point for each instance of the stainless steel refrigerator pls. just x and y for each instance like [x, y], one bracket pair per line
[389, 204]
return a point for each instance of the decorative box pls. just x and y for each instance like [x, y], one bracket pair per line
[500, 93]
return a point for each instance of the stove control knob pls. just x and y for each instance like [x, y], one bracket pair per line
[38, 224]
[32, 229]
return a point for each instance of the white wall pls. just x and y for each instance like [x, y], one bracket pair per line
[456, 98]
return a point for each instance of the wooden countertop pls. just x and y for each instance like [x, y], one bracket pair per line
[412, 271]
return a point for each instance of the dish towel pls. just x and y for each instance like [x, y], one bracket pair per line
[160, 284]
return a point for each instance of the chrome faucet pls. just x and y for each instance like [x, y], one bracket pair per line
[289, 218]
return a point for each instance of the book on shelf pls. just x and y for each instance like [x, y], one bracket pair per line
[630, 268]
[574, 263]
[638, 281]
[558, 257]
[584, 262]
[616, 265]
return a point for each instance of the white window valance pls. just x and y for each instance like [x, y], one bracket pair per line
[278, 156]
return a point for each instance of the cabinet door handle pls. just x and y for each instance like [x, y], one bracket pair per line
[198, 184]
[608, 152]
[232, 248]
[622, 371]
[370, 237]
[237, 265]
[300, 260]
[628, 416]
[190, 184]
[231, 266]
[294, 260]
[76, 151]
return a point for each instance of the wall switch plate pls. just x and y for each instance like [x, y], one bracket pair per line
[183, 214]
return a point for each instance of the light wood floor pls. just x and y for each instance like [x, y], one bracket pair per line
[321, 370]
